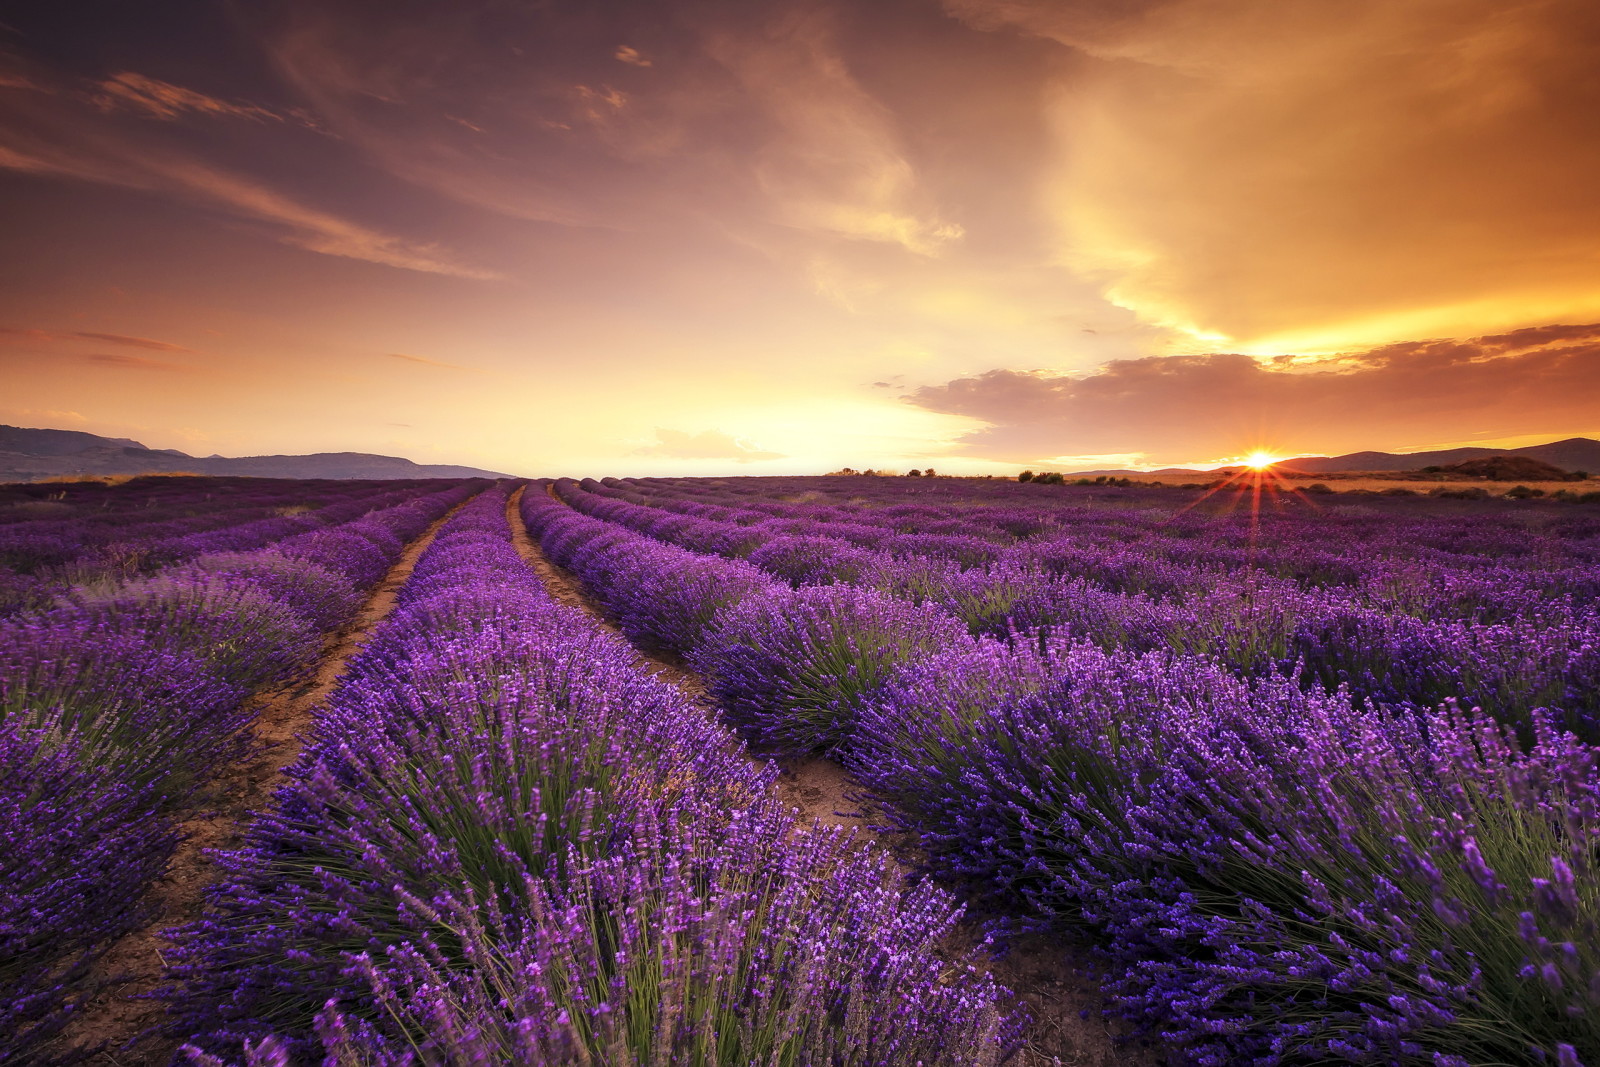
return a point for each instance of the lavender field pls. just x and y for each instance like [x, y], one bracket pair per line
[1295, 781]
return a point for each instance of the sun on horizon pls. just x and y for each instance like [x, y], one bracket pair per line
[1260, 461]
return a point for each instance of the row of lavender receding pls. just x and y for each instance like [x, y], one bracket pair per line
[1480, 562]
[509, 843]
[121, 698]
[82, 532]
[1272, 872]
[1466, 561]
[1509, 639]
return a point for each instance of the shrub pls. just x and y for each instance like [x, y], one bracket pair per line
[80, 847]
[320, 596]
[1276, 875]
[815, 561]
[791, 669]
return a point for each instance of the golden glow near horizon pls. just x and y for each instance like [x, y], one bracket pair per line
[1260, 460]
[789, 237]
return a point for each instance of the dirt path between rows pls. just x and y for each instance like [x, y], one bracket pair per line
[116, 1018]
[1067, 1028]
[816, 787]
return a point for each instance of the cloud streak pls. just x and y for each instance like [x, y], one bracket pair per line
[1295, 174]
[708, 444]
[122, 359]
[16, 335]
[51, 133]
[753, 118]
[833, 162]
[424, 361]
[1180, 409]
[132, 342]
[163, 100]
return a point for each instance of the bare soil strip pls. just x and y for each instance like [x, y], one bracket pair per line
[1067, 1029]
[115, 1017]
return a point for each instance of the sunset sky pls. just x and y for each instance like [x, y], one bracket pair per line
[775, 236]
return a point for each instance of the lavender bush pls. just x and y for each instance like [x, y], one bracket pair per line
[507, 840]
[791, 670]
[1153, 754]
[115, 702]
[1276, 874]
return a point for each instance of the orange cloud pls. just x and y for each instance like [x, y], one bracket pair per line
[1304, 175]
[55, 134]
[424, 361]
[833, 161]
[163, 100]
[120, 359]
[631, 56]
[14, 336]
[133, 342]
[1176, 409]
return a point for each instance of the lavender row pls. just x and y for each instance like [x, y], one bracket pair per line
[115, 703]
[1174, 554]
[1481, 567]
[509, 843]
[75, 523]
[1251, 622]
[1284, 535]
[1422, 529]
[136, 528]
[1273, 874]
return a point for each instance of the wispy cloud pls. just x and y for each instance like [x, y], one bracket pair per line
[758, 122]
[51, 414]
[52, 133]
[33, 335]
[163, 100]
[10, 79]
[12, 335]
[1259, 172]
[1417, 394]
[133, 342]
[425, 361]
[300, 225]
[834, 162]
[708, 444]
[311, 229]
[122, 359]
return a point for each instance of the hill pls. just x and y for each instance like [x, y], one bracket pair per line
[1505, 469]
[1575, 453]
[1572, 454]
[28, 455]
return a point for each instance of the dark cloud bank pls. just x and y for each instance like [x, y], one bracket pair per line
[1416, 394]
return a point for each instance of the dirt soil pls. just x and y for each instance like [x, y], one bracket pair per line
[566, 589]
[1048, 978]
[119, 1020]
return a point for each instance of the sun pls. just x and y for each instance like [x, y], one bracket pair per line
[1260, 461]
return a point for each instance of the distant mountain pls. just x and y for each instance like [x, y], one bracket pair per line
[29, 454]
[56, 442]
[1573, 454]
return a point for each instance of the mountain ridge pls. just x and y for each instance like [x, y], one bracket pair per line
[1570, 454]
[30, 454]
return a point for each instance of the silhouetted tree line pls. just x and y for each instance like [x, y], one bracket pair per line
[1057, 478]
